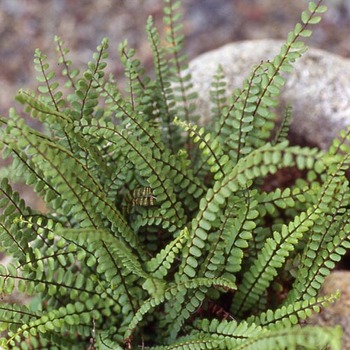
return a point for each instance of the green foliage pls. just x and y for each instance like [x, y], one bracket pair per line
[158, 232]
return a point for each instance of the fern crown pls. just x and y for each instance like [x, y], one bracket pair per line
[158, 232]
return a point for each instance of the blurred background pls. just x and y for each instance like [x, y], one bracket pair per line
[29, 24]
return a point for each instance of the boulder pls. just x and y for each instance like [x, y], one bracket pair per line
[318, 88]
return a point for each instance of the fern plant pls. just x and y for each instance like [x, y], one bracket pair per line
[158, 233]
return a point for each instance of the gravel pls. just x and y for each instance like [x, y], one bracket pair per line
[28, 24]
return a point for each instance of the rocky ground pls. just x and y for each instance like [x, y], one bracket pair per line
[28, 24]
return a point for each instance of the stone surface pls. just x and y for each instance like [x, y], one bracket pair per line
[318, 88]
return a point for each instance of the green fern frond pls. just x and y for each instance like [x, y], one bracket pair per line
[315, 269]
[218, 94]
[15, 315]
[340, 145]
[183, 87]
[274, 252]
[244, 335]
[249, 113]
[40, 110]
[184, 180]
[133, 73]
[283, 130]
[292, 314]
[46, 78]
[161, 263]
[147, 166]
[161, 238]
[72, 316]
[172, 293]
[71, 74]
[103, 238]
[265, 160]
[15, 240]
[209, 148]
[77, 193]
[291, 338]
[270, 258]
[85, 99]
[236, 121]
[231, 333]
[192, 343]
[301, 193]
[164, 95]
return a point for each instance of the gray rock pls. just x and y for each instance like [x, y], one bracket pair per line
[318, 88]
